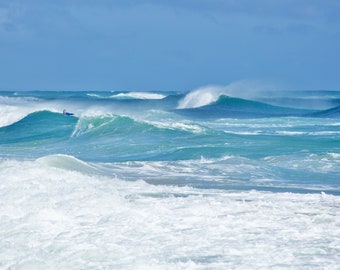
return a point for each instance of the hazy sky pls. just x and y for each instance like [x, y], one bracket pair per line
[168, 44]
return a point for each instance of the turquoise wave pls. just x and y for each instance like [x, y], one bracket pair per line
[38, 126]
[121, 138]
[229, 107]
[329, 113]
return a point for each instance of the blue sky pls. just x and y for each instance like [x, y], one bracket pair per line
[168, 44]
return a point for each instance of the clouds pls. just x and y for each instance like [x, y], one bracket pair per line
[168, 45]
[298, 10]
[104, 17]
[96, 12]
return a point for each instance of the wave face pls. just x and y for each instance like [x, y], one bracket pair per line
[132, 177]
[330, 113]
[228, 107]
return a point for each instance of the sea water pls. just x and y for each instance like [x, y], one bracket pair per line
[162, 180]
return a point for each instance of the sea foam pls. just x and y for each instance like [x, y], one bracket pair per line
[52, 217]
[139, 95]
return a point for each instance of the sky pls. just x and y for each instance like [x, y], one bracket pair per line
[170, 45]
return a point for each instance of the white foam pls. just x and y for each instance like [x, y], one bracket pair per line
[201, 97]
[243, 132]
[316, 133]
[335, 156]
[139, 95]
[185, 126]
[52, 218]
[285, 132]
[12, 109]
[95, 95]
[318, 163]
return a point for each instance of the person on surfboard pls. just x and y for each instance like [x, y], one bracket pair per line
[67, 113]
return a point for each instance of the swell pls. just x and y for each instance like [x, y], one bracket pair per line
[329, 113]
[229, 107]
[38, 126]
[101, 138]
[113, 137]
[116, 125]
[47, 125]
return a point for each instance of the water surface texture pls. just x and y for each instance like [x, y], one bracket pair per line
[166, 180]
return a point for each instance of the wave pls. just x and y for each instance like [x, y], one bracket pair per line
[15, 108]
[207, 95]
[70, 163]
[37, 126]
[231, 102]
[117, 125]
[329, 113]
[103, 126]
[138, 95]
[249, 101]
[97, 138]
[45, 125]
[230, 107]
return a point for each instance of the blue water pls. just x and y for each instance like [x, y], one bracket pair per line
[284, 146]
[261, 148]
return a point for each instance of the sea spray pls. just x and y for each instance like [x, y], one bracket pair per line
[201, 97]
[209, 94]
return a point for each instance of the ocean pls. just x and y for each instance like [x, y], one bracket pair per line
[206, 179]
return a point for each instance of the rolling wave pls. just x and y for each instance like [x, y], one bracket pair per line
[230, 107]
[98, 137]
[37, 126]
[110, 126]
[47, 124]
[70, 163]
[330, 113]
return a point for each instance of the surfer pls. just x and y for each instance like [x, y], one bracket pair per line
[67, 113]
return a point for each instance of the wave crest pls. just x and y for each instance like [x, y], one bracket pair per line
[139, 95]
[245, 89]
[201, 97]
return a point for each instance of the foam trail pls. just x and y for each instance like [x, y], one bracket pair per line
[139, 95]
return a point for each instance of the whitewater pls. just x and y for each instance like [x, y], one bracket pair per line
[215, 178]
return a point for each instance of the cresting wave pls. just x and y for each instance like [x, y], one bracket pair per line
[323, 102]
[224, 107]
[209, 94]
[201, 97]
